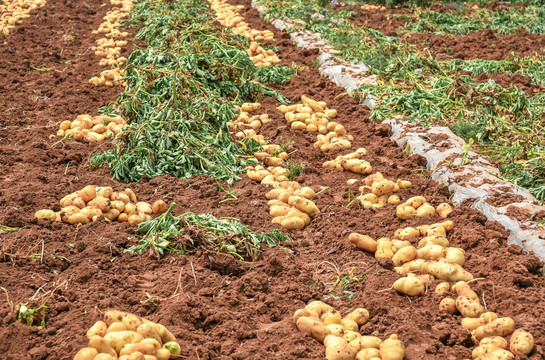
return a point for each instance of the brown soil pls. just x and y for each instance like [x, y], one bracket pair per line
[218, 307]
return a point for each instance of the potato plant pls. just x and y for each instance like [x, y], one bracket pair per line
[341, 335]
[126, 336]
[94, 202]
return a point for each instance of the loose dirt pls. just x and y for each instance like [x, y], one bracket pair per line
[218, 307]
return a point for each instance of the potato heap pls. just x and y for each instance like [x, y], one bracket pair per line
[314, 116]
[93, 129]
[291, 205]
[341, 336]
[250, 134]
[382, 191]
[418, 206]
[93, 202]
[112, 77]
[110, 51]
[488, 331]
[12, 11]
[262, 57]
[245, 119]
[350, 162]
[126, 336]
[228, 15]
[108, 48]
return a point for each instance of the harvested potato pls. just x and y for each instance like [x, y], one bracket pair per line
[316, 329]
[87, 353]
[468, 307]
[382, 187]
[144, 348]
[442, 288]
[495, 340]
[472, 323]
[483, 349]
[99, 329]
[368, 342]
[359, 315]
[384, 248]
[305, 205]
[499, 354]
[363, 242]
[405, 212]
[368, 354]
[102, 346]
[522, 342]
[335, 329]
[173, 347]
[119, 339]
[349, 325]
[499, 327]
[318, 307]
[441, 269]
[404, 255]
[411, 286]
[341, 351]
[46, 214]
[425, 210]
[392, 349]
[331, 317]
[159, 207]
[448, 306]
[444, 209]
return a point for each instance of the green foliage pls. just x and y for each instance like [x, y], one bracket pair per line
[181, 93]
[26, 314]
[178, 234]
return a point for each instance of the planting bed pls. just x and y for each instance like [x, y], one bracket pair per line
[217, 307]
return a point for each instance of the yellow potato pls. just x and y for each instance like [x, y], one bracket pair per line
[368, 342]
[104, 356]
[392, 349]
[444, 209]
[411, 286]
[431, 252]
[483, 349]
[499, 327]
[316, 329]
[99, 328]
[162, 354]
[382, 187]
[358, 166]
[116, 326]
[341, 351]
[384, 248]
[442, 288]
[405, 212]
[368, 354]
[425, 210]
[293, 223]
[403, 184]
[173, 347]
[350, 335]
[415, 201]
[318, 307]
[88, 193]
[144, 348]
[456, 255]
[87, 353]
[495, 340]
[159, 207]
[46, 214]
[409, 233]
[336, 329]
[404, 255]
[363, 242]
[119, 339]
[359, 315]
[349, 325]
[305, 205]
[472, 323]
[499, 354]
[331, 317]
[434, 240]
[78, 218]
[279, 210]
[102, 346]
[441, 269]
[521, 342]
[394, 200]
[300, 313]
[448, 306]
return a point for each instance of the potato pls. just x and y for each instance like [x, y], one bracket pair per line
[376, 177]
[410, 286]
[447, 225]
[367, 354]
[159, 207]
[357, 166]
[162, 354]
[88, 193]
[434, 240]
[448, 306]
[436, 229]
[99, 329]
[147, 331]
[155, 341]
[116, 326]
[443, 210]
[415, 202]
[363, 242]
[462, 288]
[111, 214]
[279, 210]
[456, 255]
[368, 342]
[102, 346]
[111, 316]
[384, 248]
[173, 347]
[392, 349]
[425, 210]
[335, 329]
[305, 192]
[331, 317]
[78, 218]
[318, 307]
[87, 353]
[314, 328]
[499, 327]
[305, 205]
[45, 214]
[104, 356]
[332, 340]
[400, 244]
[293, 223]
[403, 184]
[129, 208]
[144, 207]
[472, 323]
[359, 315]
[404, 255]
[349, 325]
[441, 269]
[101, 203]
[131, 321]
[341, 351]
[78, 202]
[394, 200]
[405, 212]
[119, 339]
[431, 252]
[495, 340]
[161, 330]
[489, 316]
[144, 348]
[522, 342]
[382, 187]
[294, 212]
[300, 313]
[409, 233]
[313, 104]
[135, 220]
[483, 349]
[499, 354]
[442, 288]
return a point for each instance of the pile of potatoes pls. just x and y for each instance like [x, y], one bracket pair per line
[488, 330]
[262, 57]
[291, 205]
[109, 28]
[314, 116]
[245, 119]
[93, 202]
[383, 191]
[110, 51]
[251, 134]
[124, 336]
[350, 162]
[13, 11]
[270, 176]
[91, 128]
[341, 335]
[111, 77]
[228, 15]
[418, 206]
